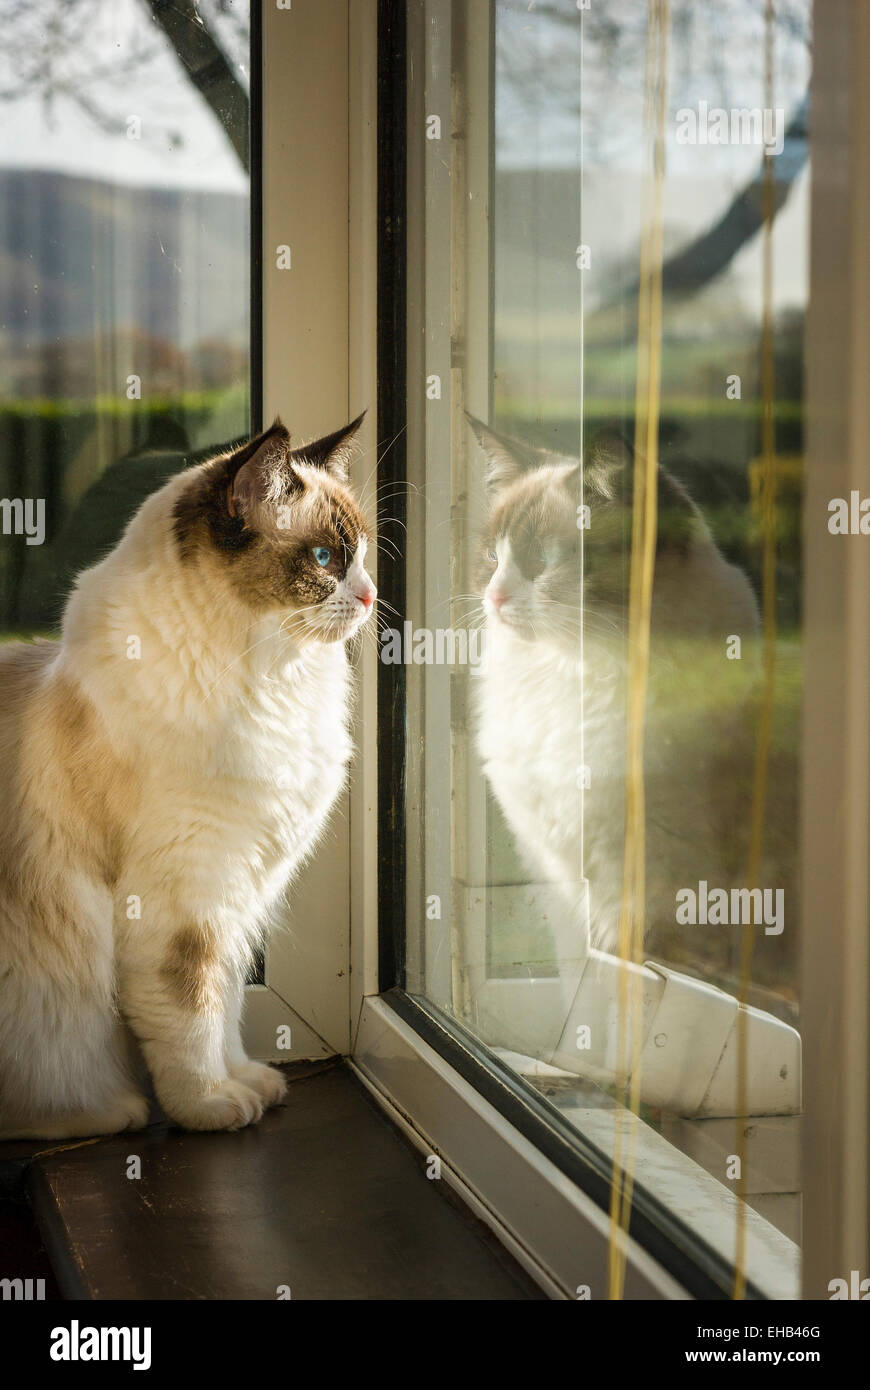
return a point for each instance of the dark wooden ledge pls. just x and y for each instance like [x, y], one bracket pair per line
[324, 1197]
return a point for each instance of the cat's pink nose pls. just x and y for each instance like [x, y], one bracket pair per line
[497, 597]
[367, 597]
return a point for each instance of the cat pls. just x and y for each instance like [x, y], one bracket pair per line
[169, 764]
[700, 722]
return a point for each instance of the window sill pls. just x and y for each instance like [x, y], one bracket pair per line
[548, 1221]
[321, 1198]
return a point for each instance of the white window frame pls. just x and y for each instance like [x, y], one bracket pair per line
[316, 379]
[835, 889]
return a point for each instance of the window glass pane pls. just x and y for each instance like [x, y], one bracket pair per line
[124, 273]
[528, 164]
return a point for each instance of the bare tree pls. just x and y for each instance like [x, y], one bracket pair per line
[208, 68]
[49, 52]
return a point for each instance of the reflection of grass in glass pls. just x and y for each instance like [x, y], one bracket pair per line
[27, 635]
[60, 407]
[537, 361]
[695, 680]
[699, 681]
[699, 694]
[520, 409]
[97, 460]
[609, 347]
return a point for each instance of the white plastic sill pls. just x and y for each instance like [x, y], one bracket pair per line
[559, 1234]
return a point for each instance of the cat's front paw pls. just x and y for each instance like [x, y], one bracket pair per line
[266, 1081]
[229, 1105]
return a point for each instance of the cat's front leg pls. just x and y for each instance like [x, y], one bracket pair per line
[177, 989]
[265, 1080]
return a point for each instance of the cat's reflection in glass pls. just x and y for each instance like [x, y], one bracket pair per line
[553, 580]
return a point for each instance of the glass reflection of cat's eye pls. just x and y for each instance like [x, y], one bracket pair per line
[322, 555]
[558, 552]
[492, 557]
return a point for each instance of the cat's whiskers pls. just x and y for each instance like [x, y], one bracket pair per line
[283, 629]
[358, 639]
[474, 605]
[384, 603]
[383, 542]
[379, 458]
[397, 488]
[384, 520]
[603, 626]
[268, 637]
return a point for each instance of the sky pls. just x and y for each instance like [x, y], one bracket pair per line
[182, 143]
[552, 62]
[715, 53]
[543, 64]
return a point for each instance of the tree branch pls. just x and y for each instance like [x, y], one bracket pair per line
[208, 68]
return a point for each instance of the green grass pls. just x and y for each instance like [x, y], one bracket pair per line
[27, 635]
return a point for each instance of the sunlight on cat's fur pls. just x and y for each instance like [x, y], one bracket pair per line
[169, 764]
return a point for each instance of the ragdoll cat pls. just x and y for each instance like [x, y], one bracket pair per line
[700, 729]
[168, 764]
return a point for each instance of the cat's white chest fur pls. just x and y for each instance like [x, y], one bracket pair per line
[552, 747]
[241, 746]
[529, 713]
[284, 763]
[256, 796]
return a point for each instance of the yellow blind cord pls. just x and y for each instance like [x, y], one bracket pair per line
[768, 603]
[643, 544]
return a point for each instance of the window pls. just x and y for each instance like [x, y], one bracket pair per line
[125, 278]
[531, 134]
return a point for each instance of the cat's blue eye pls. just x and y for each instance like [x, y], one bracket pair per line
[492, 557]
[322, 555]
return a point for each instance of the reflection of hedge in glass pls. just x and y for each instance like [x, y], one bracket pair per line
[58, 450]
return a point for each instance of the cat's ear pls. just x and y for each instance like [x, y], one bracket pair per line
[260, 473]
[333, 452]
[608, 464]
[506, 459]
[608, 467]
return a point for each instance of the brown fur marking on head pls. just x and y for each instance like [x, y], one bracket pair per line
[266, 548]
[203, 515]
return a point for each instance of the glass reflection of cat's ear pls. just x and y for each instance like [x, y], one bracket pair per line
[609, 474]
[608, 463]
[506, 459]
